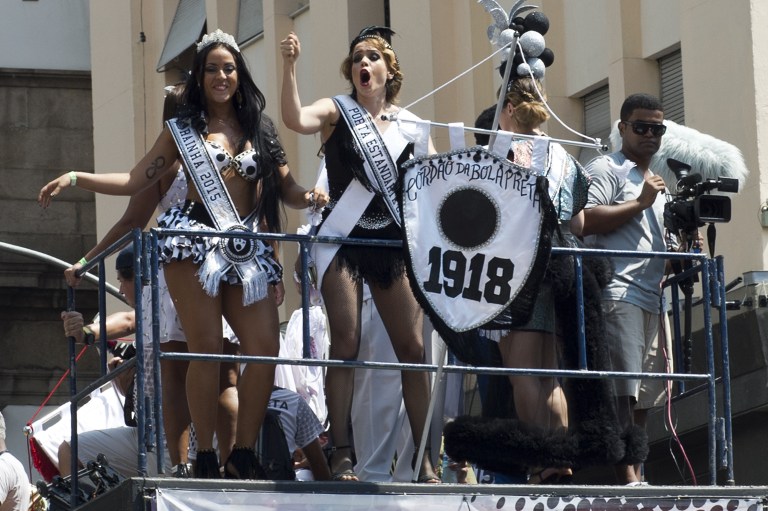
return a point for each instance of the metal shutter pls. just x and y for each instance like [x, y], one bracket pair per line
[250, 20]
[597, 120]
[672, 98]
[186, 27]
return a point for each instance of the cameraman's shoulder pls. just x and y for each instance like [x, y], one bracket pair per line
[601, 167]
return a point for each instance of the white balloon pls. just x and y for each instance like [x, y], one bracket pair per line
[532, 43]
[523, 69]
[506, 36]
[538, 67]
[506, 53]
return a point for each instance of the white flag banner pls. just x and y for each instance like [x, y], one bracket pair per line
[472, 223]
[166, 499]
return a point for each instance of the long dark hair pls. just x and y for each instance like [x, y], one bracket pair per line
[249, 105]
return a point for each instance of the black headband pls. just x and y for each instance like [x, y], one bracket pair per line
[384, 33]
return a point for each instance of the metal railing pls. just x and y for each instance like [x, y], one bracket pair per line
[150, 417]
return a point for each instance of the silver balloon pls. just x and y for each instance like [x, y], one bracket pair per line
[532, 43]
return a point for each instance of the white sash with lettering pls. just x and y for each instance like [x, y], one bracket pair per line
[472, 221]
[240, 253]
[355, 199]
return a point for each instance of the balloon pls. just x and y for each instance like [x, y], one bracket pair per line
[506, 36]
[547, 56]
[537, 21]
[532, 43]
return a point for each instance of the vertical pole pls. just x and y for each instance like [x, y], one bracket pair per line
[73, 465]
[710, 370]
[726, 369]
[503, 89]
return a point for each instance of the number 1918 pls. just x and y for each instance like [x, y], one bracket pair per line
[448, 272]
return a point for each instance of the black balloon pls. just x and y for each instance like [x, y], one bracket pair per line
[537, 21]
[547, 57]
[519, 22]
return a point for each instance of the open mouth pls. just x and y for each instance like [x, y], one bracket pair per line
[365, 77]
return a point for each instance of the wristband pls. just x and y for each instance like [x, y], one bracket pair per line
[83, 261]
[88, 336]
[72, 178]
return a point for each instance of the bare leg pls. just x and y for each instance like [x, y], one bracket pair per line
[257, 326]
[65, 459]
[539, 401]
[628, 416]
[342, 296]
[175, 409]
[226, 425]
[403, 319]
[200, 317]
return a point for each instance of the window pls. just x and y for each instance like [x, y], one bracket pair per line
[250, 20]
[671, 72]
[597, 120]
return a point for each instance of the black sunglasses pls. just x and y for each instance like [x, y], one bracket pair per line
[641, 128]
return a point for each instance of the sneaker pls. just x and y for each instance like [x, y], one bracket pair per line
[637, 483]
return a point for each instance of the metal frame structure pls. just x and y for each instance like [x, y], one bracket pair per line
[149, 415]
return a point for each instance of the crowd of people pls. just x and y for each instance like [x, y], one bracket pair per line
[218, 164]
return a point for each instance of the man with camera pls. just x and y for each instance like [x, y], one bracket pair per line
[625, 211]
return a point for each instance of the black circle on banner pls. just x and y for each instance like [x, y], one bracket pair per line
[468, 218]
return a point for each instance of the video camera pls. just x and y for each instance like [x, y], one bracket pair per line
[124, 350]
[693, 205]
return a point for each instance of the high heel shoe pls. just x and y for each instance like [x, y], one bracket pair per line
[243, 464]
[207, 465]
[346, 474]
[425, 476]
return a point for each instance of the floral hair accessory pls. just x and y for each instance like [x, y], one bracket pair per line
[217, 36]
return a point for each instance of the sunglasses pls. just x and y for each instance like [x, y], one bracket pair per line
[641, 128]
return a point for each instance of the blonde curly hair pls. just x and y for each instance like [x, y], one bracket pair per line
[530, 111]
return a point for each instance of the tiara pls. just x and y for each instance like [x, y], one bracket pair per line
[217, 37]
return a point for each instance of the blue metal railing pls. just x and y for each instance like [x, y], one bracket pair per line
[150, 424]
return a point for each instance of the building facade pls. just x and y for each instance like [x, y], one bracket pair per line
[82, 89]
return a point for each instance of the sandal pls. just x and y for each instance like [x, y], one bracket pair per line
[550, 475]
[428, 476]
[244, 464]
[346, 474]
[207, 465]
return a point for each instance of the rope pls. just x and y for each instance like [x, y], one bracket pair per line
[455, 78]
[28, 430]
[55, 388]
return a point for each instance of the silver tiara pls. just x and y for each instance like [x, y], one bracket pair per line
[217, 37]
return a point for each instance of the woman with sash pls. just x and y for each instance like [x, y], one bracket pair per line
[363, 158]
[238, 174]
[169, 191]
[540, 401]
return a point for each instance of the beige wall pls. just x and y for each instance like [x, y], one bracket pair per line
[596, 42]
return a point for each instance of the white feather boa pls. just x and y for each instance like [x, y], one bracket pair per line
[707, 155]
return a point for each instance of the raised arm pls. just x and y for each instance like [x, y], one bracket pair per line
[137, 214]
[150, 168]
[305, 120]
[607, 218]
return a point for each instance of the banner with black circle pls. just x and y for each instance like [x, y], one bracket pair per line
[478, 233]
